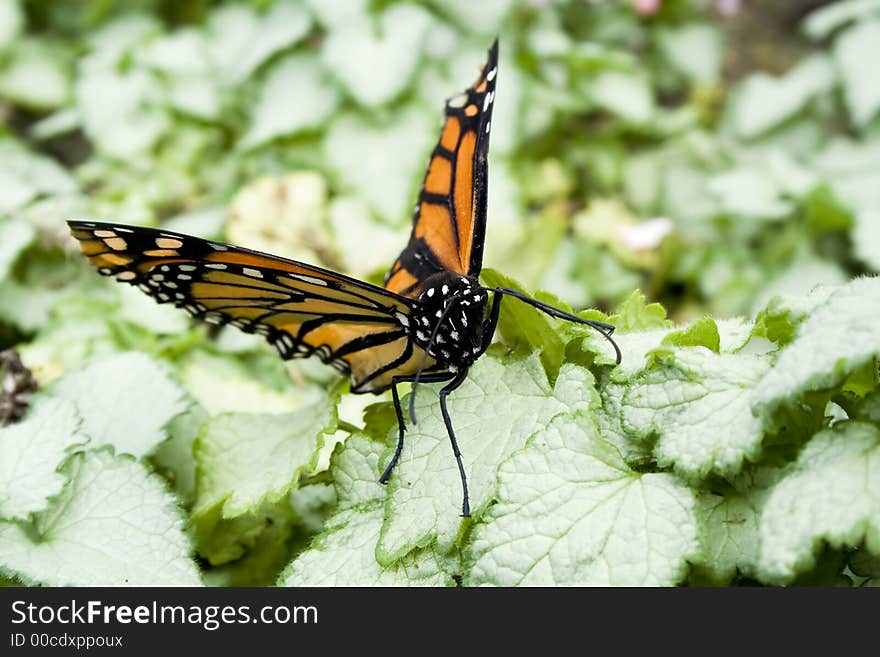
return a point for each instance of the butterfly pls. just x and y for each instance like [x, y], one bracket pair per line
[429, 323]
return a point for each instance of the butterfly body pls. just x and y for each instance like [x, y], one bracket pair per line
[430, 322]
[450, 320]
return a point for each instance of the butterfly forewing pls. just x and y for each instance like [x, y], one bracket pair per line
[302, 310]
[449, 224]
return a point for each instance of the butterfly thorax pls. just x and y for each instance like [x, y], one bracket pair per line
[451, 310]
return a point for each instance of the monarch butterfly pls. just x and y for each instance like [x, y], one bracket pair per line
[430, 322]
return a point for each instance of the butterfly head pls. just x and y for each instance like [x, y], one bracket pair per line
[449, 324]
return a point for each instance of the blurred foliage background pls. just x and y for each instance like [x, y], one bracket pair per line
[712, 153]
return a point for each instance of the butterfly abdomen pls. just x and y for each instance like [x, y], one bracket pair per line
[448, 322]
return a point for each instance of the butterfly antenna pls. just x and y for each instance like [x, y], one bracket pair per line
[412, 395]
[604, 329]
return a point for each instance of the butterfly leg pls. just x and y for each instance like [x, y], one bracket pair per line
[491, 323]
[449, 387]
[401, 424]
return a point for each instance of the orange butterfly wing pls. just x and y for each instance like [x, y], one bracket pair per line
[449, 224]
[302, 310]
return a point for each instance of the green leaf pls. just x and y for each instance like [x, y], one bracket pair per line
[33, 450]
[121, 111]
[261, 553]
[694, 49]
[832, 494]
[748, 193]
[483, 17]
[24, 176]
[762, 102]
[729, 524]
[626, 94]
[866, 236]
[247, 459]
[15, 236]
[295, 96]
[355, 471]
[855, 52]
[824, 20]
[333, 12]
[137, 308]
[635, 451]
[864, 564]
[838, 338]
[222, 385]
[803, 279]
[635, 314]
[110, 396]
[387, 184]
[345, 553]
[778, 321]
[242, 41]
[525, 328]
[35, 75]
[312, 505]
[11, 22]
[698, 404]
[635, 347]
[702, 333]
[686, 195]
[734, 334]
[113, 525]
[224, 541]
[370, 62]
[570, 512]
[424, 502]
[175, 458]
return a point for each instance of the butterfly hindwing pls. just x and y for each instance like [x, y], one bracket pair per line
[302, 310]
[449, 224]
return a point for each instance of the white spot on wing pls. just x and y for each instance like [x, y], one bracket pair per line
[308, 279]
[458, 101]
[253, 273]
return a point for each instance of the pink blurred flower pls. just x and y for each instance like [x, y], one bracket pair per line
[647, 7]
[728, 7]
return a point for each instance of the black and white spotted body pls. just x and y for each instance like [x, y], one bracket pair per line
[458, 341]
